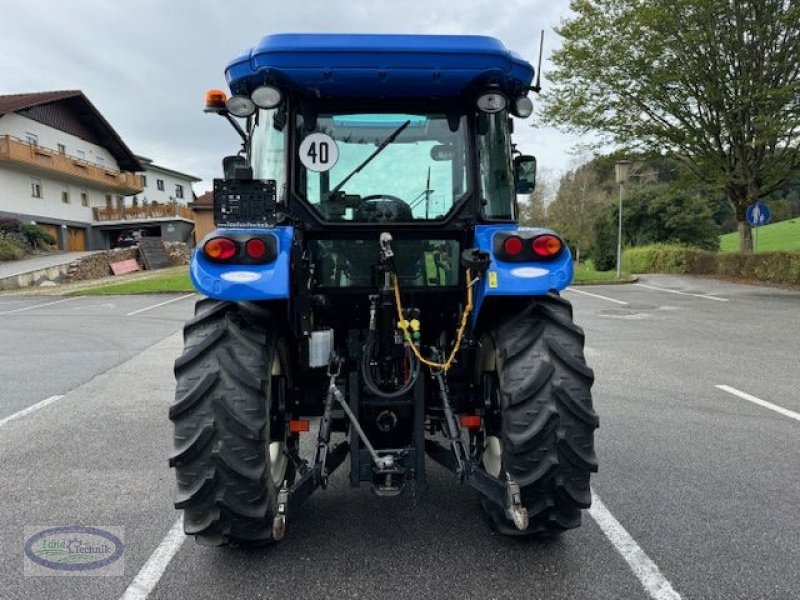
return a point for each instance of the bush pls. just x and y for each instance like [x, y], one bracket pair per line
[34, 233]
[9, 226]
[10, 251]
[773, 267]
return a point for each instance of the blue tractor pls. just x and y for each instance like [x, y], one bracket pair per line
[368, 276]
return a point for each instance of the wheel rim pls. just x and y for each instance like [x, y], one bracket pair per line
[493, 456]
[278, 461]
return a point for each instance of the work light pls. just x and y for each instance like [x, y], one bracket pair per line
[240, 106]
[491, 102]
[266, 96]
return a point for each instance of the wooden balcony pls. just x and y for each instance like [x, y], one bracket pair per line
[45, 161]
[143, 213]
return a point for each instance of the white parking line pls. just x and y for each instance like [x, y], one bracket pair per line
[24, 308]
[150, 574]
[646, 571]
[30, 409]
[571, 289]
[778, 409]
[662, 289]
[146, 308]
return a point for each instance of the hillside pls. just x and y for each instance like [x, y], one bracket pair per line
[776, 236]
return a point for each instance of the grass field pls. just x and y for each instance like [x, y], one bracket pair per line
[776, 236]
[158, 284]
[585, 273]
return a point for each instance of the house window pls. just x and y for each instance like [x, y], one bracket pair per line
[81, 154]
[84, 199]
[144, 180]
[160, 185]
[31, 138]
[62, 149]
[108, 201]
[178, 190]
[36, 188]
[65, 196]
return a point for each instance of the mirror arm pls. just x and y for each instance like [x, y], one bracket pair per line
[236, 126]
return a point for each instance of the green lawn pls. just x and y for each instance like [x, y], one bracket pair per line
[776, 236]
[158, 284]
[585, 273]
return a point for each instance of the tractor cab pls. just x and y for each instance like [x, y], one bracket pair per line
[368, 270]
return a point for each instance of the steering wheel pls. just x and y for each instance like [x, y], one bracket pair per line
[383, 208]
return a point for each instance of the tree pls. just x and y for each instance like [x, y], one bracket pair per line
[578, 201]
[716, 83]
[533, 211]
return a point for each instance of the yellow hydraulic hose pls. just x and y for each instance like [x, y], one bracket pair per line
[403, 324]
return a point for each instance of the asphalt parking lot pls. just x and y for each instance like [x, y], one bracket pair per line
[698, 391]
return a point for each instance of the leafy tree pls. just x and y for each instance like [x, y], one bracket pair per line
[533, 211]
[716, 83]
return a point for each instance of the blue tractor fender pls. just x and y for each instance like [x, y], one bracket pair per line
[534, 278]
[244, 282]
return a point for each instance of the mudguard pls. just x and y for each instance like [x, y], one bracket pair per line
[534, 278]
[237, 282]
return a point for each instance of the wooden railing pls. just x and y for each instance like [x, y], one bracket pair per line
[143, 213]
[38, 158]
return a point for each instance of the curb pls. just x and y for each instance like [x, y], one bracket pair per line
[632, 279]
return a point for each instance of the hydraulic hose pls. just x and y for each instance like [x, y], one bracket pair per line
[366, 369]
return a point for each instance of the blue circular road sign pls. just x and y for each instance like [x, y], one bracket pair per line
[758, 214]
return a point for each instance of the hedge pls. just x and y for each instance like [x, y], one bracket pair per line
[773, 267]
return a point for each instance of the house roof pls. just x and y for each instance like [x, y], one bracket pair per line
[150, 165]
[203, 201]
[32, 105]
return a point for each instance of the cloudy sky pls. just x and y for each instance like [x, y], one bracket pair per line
[146, 63]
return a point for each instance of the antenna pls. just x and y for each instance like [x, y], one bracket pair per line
[537, 87]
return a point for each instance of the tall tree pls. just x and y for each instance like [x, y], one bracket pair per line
[533, 210]
[715, 83]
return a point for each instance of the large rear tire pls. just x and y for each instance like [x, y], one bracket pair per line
[544, 436]
[228, 468]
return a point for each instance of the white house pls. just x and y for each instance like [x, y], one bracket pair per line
[63, 167]
[163, 185]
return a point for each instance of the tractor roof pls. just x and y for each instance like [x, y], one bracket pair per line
[380, 66]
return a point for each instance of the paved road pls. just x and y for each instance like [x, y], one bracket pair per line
[703, 480]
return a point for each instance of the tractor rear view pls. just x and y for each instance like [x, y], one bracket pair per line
[368, 288]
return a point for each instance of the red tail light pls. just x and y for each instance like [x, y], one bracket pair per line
[513, 246]
[255, 248]
[220, 248]
[546, 246]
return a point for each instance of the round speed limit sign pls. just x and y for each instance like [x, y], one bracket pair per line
[318, 152]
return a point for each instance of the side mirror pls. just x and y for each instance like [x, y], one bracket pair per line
[524, 174]
[230, 164]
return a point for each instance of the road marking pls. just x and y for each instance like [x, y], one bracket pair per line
[24, 308]
[141, 310]
[30, 409]
[662, 289]
[778, 409]
[149, 575]
[646, 571]
[571, 289]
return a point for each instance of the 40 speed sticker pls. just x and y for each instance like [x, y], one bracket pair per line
[318, 152]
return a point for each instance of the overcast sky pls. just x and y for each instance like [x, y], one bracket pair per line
[147, 63]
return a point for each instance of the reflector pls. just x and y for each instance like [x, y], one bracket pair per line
[546, 246]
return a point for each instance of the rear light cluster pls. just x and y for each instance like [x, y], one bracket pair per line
[525, 246]
[241, 249]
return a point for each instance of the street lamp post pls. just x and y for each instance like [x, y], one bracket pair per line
[622, 169]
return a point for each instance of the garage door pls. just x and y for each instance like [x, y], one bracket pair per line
[76, 239]
[52, 230]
